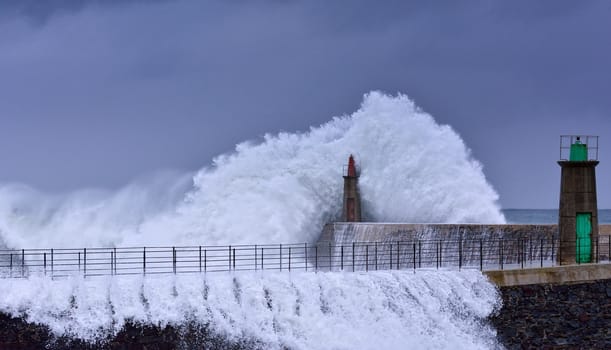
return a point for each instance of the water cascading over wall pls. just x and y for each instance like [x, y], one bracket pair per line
[390, 310]
[441, 244]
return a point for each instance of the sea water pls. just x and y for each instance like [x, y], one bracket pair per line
[545, 216]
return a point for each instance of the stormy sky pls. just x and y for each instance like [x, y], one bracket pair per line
[98, 93]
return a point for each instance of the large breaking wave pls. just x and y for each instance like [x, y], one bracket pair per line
[281, 189]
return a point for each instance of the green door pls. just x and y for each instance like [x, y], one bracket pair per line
[584, 229]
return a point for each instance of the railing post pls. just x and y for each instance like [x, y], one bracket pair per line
[330, 259]
[256, 267]
[174, 259]
[352, 256]
[200, 258]
[262, 255]
[341, 259]
[11, 265]
[481, 255]
[52, 269]
[305, 249]
[316, 257]
[112, 270]
[459, 253]
[144, 260]
[290, 258]
[398, 254]
[525, 253]
[229, 258]
[22, 262]
[541, 253]
[234, 258]
[115, 258]
[520, 251]
[501, 253]
[205, 260]
[441, 253]
[45, 262]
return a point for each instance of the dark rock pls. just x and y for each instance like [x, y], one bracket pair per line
[17, 334]
[576, 316]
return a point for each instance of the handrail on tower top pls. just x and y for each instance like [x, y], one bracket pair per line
[567, 147]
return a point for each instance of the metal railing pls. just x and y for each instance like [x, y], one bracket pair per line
[482, 254]
[591, 142]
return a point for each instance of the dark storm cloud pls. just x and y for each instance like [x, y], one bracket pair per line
[94, 93]
[39, 11]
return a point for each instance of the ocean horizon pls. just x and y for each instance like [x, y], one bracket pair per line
[545, 216]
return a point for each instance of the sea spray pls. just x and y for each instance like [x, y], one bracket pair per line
[29, 218]
[272, 310]
[281, 189]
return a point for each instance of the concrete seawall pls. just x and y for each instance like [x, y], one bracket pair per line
[345, 233]
[348, 232]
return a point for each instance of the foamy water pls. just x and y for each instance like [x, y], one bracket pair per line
[296, 310]
[281, 189]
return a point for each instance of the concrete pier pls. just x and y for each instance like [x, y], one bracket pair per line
[551, 275]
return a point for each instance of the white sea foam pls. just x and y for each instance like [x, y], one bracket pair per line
[375, 310]
[282, 189]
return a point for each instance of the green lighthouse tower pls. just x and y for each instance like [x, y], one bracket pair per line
[578, 214]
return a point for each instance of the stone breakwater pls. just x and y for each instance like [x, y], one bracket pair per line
[562, 316]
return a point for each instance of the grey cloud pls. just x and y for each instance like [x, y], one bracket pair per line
[40, 11]
[110, 90]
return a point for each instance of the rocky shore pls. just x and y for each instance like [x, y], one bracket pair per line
[567, 316]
